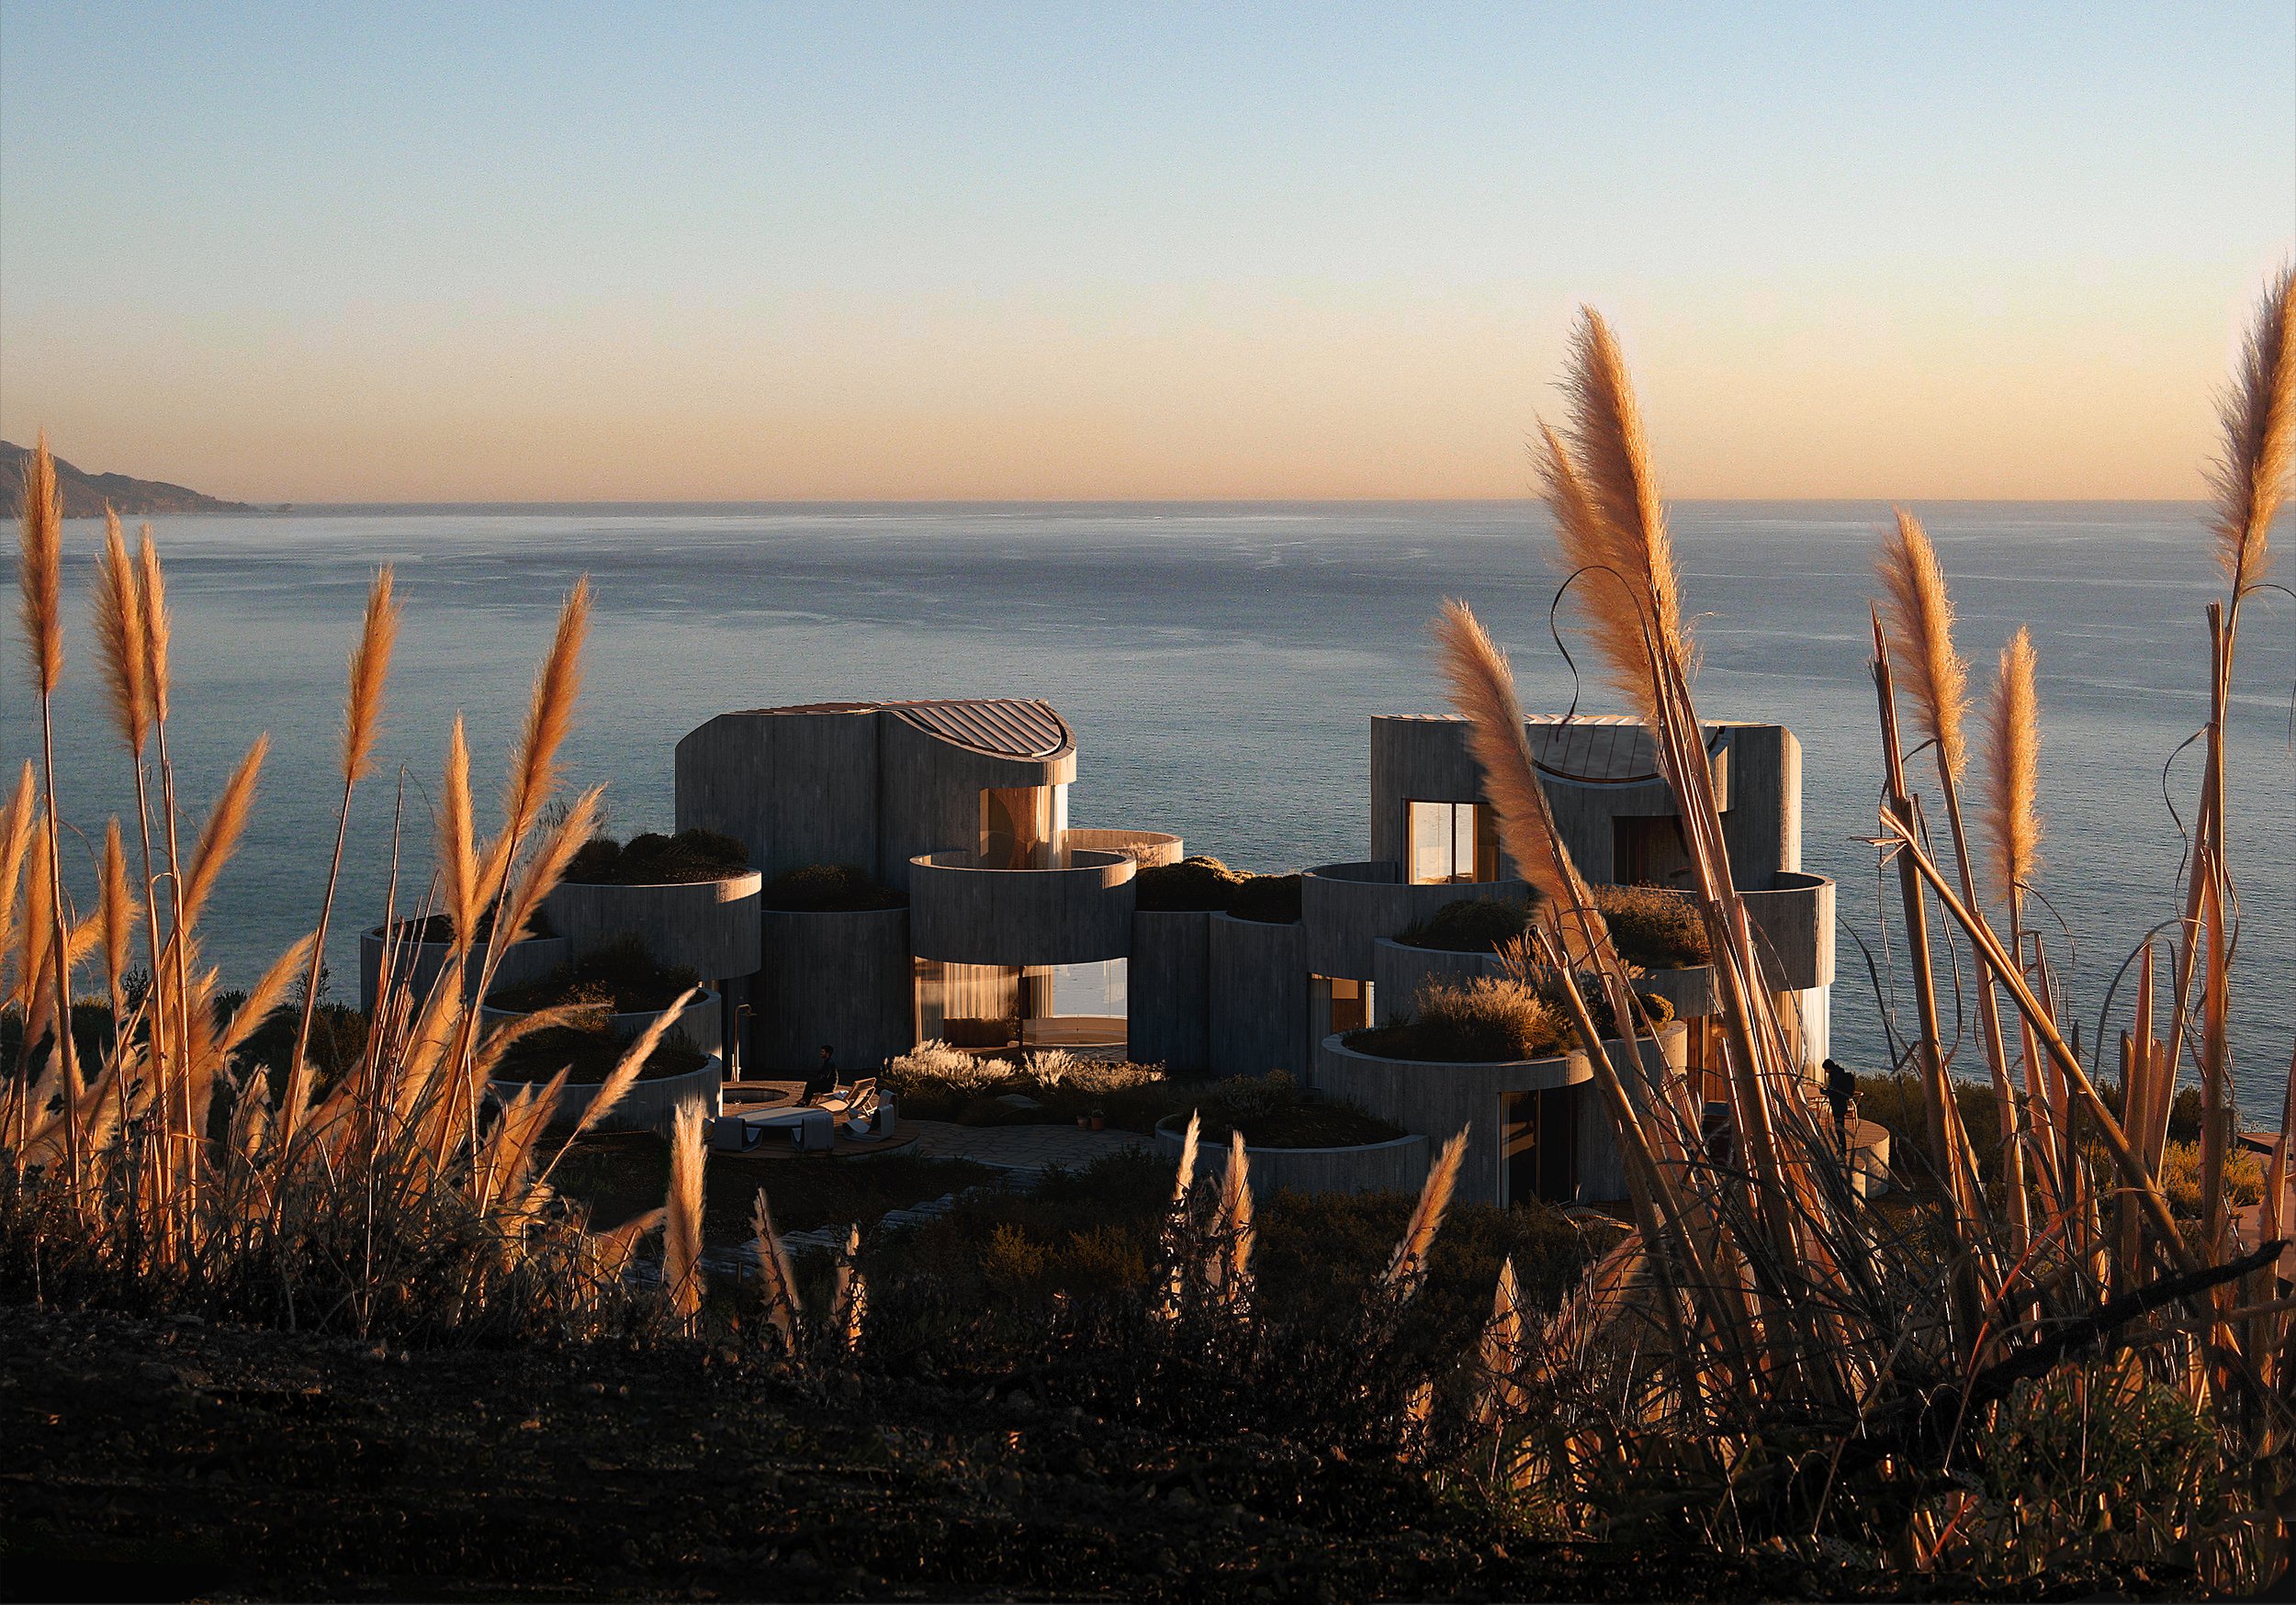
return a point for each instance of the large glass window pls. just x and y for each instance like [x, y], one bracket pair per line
[1538, 1145]
[1449, 842]
[998, 1007]
[1351, 1004]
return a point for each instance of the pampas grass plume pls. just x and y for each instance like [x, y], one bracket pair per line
[218, 836]
[119, 637]
[1410, 1262]
[1919, 613]
[2013, 771]
[370, 668]
[2259, 420]
[682, 1228]
[158, 627]
[41, 574]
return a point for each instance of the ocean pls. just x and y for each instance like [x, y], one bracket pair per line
[1220, 664]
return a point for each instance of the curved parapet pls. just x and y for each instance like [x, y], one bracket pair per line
[1793, 926]
[708, 926]
[1148, 848]
[839, 980]
[1399, 971]
[1257, 1010]
[1168, 985]
[1347, 907]
[961, 913]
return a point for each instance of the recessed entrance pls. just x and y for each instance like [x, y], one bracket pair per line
[1538, 1145]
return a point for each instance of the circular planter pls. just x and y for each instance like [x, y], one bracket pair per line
[522, 961]
[700, 1022]
[707, 926]
[1399, 971]
[1397, 1165]
[1690, 990]
[648, 1106]
[1257, 1009]
[845, 979]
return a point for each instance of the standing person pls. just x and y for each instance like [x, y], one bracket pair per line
[825, 1073]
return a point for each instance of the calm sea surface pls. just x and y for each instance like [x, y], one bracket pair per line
[1220, 663]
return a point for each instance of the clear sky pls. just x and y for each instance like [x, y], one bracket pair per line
[325, 252]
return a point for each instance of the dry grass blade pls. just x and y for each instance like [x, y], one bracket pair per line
[40, 575]
[1613, 457]
[775, 1276]
[2259, 419]
[458, 857]
[119, 637]
[118, 909]
[269, 992]
[1919, 613]
[1499, 1355]
[1236, 1212]
[549, 716]
[849, 1295]
[16, 841]
[158, 625]
[218, 836]
[681, 1219]
[1409, 1264]
[370, 668]
[2013, 772]
[626, 1072]
[1187, 1175]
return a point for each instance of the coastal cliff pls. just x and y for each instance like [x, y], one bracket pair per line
[85, 495]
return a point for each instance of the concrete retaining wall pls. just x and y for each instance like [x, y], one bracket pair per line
[1347, 907]
[794, 787]
[1439, 1099]
[522, 962]
[1258, 1008]
[648, 1106]
[1690, 990]
[1398, 971]
[1168, 982]
[1398, 1166]
[1077, 916]
[709, 927]
[843, 979]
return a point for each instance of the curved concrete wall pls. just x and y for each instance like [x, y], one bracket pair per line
[522, 961]
[794, 788]
[1437, 1100]
[928, 799]
[1690, 990]
[648, 1106]
[1077, 916]
[1347, 907]
[1168, 984]
[842, 979]
[1398, 1166]
[1257, 1009]
[1148, 848]
[1399, 971]
[1793, 926]
[710, 927]
[702, 1024]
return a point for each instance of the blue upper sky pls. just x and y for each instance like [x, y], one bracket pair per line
[867, 250]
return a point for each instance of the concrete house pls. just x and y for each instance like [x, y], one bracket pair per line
[1020, 932]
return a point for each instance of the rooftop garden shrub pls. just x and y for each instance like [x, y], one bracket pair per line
[1268, 899]
[621, 978]
[1492, 1020]
[653, 859]
[1472, 924]
[936, 1081]
[1195, 882]
[438, 928]
[1276, 1111]
[1654, 927]
[589, 1054]
[828, 889]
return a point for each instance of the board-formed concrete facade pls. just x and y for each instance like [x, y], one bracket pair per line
[961, 807]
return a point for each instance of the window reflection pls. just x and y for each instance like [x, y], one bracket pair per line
[1449, 843]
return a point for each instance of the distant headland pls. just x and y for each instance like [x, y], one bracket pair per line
[86, 495]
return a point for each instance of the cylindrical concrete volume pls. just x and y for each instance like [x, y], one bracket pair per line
[708, 926]
[420, 962]
[1169, 984]
[1257, 1010]
[846, 980]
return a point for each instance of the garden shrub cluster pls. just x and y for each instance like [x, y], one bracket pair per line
[1654, 927]
[589, 1055]
[935, 1081]
[1489, 1019]
[619, 978]
[1472, 924]
[1275, 1111]
[1268, 899]
[828, 889]
[1195, 882]
[653, 859]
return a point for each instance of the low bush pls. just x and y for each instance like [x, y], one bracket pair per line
[828, 889]
[653, 860]
[588, 1056]
[1196, 882]
[1275, 1111]
[1268, 899]
[1483, 1020]
[1472, 924]
[1654, 927]
[936, 1081]
[621, 978]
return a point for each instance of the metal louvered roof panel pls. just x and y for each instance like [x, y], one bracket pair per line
[1604, 750]
[1026, 727]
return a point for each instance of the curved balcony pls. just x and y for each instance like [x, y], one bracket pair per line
[961, 913]
[1347, 907]
[1793, 926]
[1148, 848]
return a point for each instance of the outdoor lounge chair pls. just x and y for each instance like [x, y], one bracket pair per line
[856, 1100]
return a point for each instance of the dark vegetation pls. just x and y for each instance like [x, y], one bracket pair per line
[653, 859]
[1196, 881]
[618, 1175]
[589, 1054]
[621, 978]
[1276, 1111]
[1472, 924]
[438, 928]
[1491, 1020]
[828, 889]
[1268, 899]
